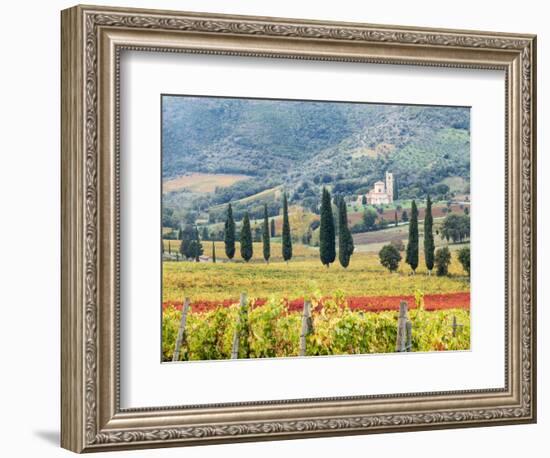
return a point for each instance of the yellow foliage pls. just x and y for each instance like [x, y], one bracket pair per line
[302, 277]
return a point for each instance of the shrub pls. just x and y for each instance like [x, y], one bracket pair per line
[442, 261]
[389, 257]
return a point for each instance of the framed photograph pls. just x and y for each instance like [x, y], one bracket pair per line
[278, 228]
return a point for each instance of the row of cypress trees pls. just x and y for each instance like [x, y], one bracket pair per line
[429, 245]
[327, 235]
[268, 231]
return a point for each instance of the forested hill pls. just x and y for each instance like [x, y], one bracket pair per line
[291, 142]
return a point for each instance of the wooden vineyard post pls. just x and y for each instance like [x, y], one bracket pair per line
[181, 330]
[409, 335]
[237, 334]
[307, 327]
[404, 329]
[455, 326]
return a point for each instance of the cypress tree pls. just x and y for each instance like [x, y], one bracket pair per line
[229, 234]
[327, 236]
[396, 220]
[265, 236]
[246, 239]
[213, 252]
[412, 246]
[197, 245]
[345, 240]
[287, 241]
[395, 189]
[429, 246]
[272, 227]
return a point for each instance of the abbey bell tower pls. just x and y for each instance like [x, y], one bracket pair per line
[389, 185]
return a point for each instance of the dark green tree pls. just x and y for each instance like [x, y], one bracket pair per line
[390, 257]
[287, 240]
[190, 246]
[369, 219]
[273, 233]
[395, 189]
[213, 252]
[246, 239]
[187, 236]
[265, 236]
[412, 246]
[396, 220]
[364, 200]
[404, 216]
[200, 249]
[464, 258]
[456, 228]
[205, 235]
[429, 245]
[327, 235]
[442, 261]
[197, 245]
[229, 234]
[345, 240]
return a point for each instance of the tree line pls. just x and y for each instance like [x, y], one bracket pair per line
[331, 229]
[327, 234]
[335, 229]
[455, 227]
[246, 239]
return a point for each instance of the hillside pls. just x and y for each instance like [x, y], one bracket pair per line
[305, 145]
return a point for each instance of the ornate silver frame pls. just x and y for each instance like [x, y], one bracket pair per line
[92, 39]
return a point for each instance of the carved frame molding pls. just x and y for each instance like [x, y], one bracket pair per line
[92, 39]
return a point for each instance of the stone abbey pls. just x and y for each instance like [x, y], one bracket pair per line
[381, 193]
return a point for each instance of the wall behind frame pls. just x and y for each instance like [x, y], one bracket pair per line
[29, 233]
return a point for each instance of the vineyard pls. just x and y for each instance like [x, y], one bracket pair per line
[272, 330]
[354, 310]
